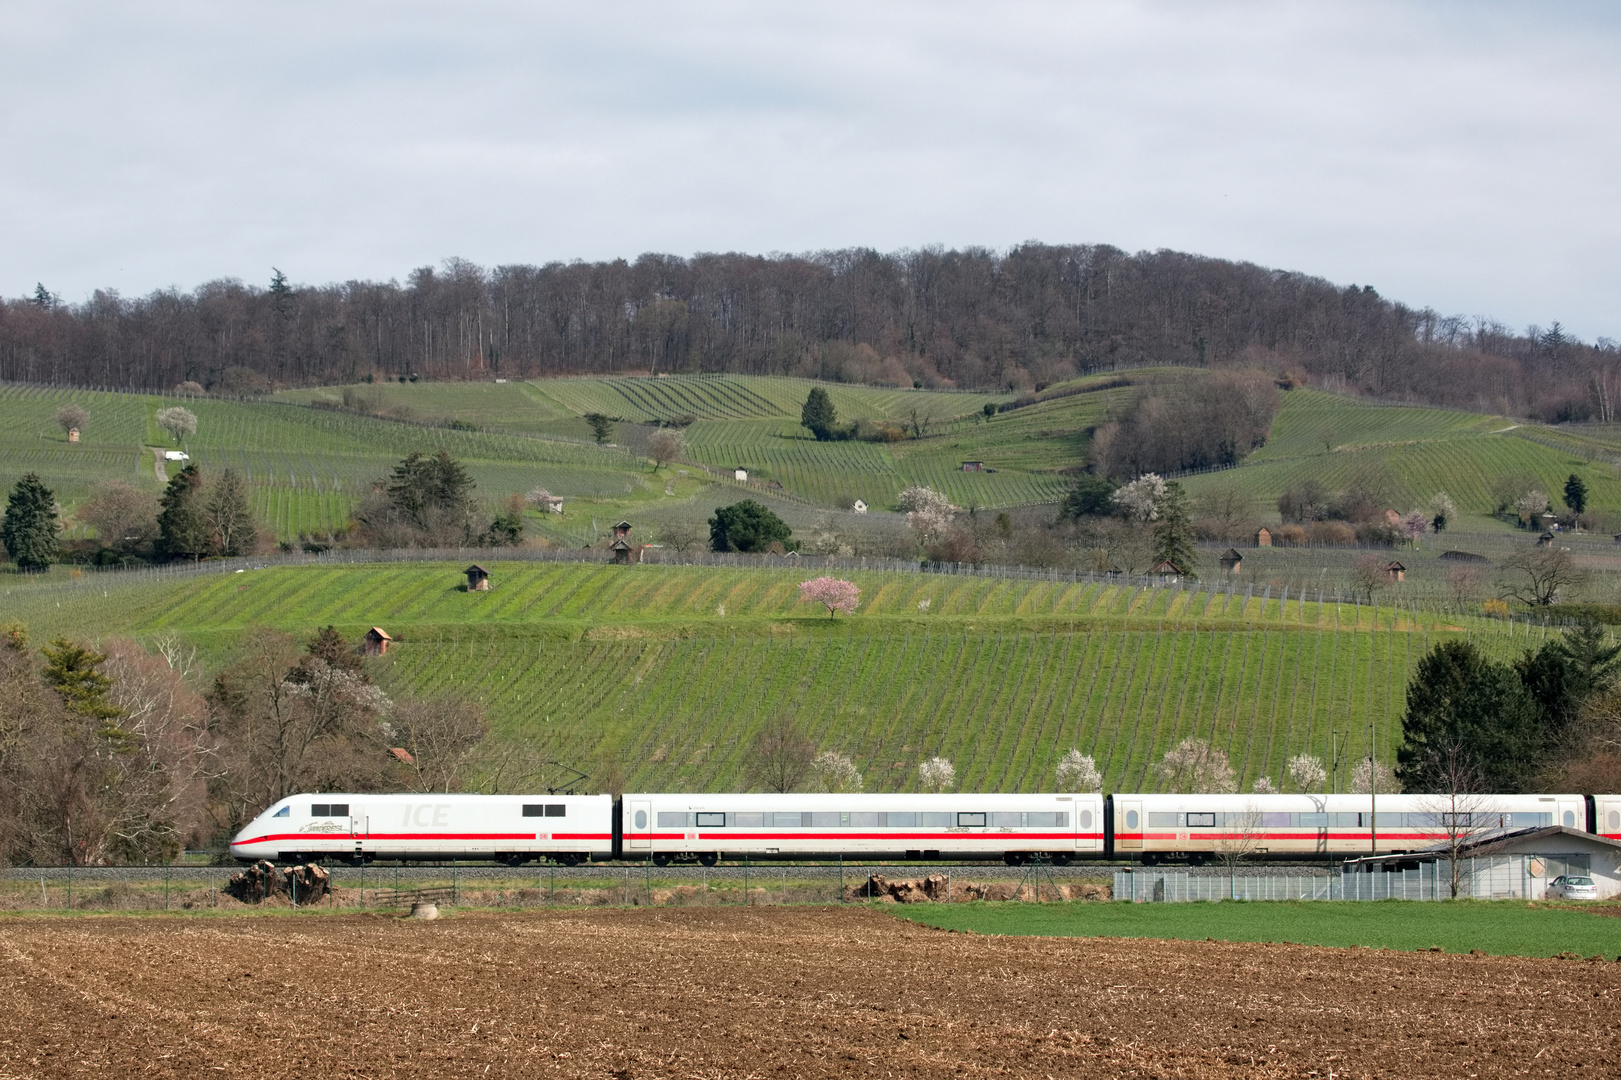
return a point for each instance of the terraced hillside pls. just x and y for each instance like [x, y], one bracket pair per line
[668, 670]
[1420, 451]
[305, 466]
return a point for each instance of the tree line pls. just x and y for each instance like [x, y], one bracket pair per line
[117, 756]
[970, 318]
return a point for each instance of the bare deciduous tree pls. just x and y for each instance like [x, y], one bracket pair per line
[1535, 575]
[683, 534]
[440, 739]
[780, 757]
[1367, 576]
[125, 518]
[664, 446]
[1458, 812]
[72, 417]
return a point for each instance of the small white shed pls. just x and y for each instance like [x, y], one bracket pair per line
[859, 507]
[740, 474]
[1517, 864]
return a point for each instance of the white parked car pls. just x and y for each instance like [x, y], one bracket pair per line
[1571, 887]
[176, 455]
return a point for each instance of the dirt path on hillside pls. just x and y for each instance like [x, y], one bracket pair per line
[789, 992]
[158, 468]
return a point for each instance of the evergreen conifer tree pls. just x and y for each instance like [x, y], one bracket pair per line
[1576, 494]
[1173, 533]
[184, 530]
[819, 415]
[30, 531]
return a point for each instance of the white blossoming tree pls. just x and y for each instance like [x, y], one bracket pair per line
[1079, 772]
[836, 772]
[1141, 499]
[937, 774]
[1307, 772]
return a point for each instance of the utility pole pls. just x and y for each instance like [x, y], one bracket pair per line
[1373, 795]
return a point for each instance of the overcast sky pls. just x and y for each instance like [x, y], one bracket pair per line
[1463, 156]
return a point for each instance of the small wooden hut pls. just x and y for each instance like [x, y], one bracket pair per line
[1167, 571]
[73, 434]
[1263, 537]
[1231, 561]
[624, 551]
[478, 578]
[1395, 571]
[377, 642]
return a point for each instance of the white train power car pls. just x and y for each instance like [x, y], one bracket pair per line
[505, 828]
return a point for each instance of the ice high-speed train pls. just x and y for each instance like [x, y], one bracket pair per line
[665, 828]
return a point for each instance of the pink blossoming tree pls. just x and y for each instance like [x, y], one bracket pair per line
[831, 593]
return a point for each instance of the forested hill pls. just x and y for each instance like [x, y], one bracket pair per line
[972, 318]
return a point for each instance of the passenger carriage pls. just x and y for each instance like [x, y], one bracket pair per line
[1197, 827]
[361, 828]
[706, 828]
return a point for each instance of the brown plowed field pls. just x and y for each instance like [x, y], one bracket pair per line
[781, 992]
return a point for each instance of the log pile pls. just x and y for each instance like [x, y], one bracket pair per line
[936, 888]
[301, 885]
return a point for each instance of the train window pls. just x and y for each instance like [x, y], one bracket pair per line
[1201, 821]
[533, 809]
[1047, 818]
[827, 820]
[711, 821]
[1313, 821]
[641, 819]
[1275, 821]
[1615, 819]
[1086, 819]
[1003, 820]
[785, 821]
[1570, 819]
[748, 820]
[675, 820]
[283, 812]
[557, 809]
[935, 821]
[340, 809]
[968, 821]
[904, 819]
[1131, 819]
[320, 809]
[863, 819]
[1456, 821]
[1160, 819]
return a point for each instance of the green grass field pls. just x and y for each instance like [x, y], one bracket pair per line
[1498, 927]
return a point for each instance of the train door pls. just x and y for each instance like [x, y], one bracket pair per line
[360, 828]
[1086, 826]
[1128, 825]
[639, 825]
